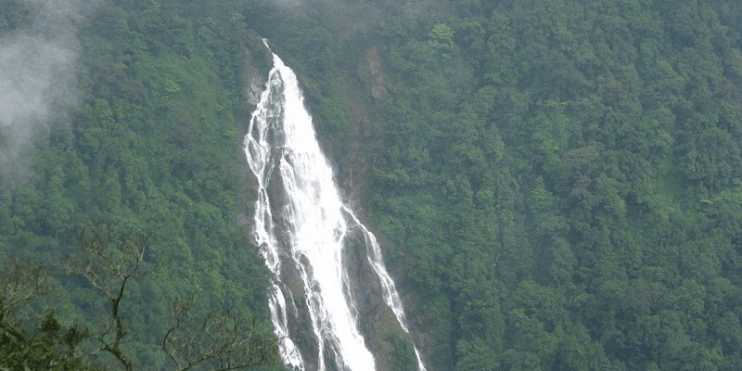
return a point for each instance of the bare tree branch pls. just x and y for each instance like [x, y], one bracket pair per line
[108, 264]
[23, 281]
[217, 341]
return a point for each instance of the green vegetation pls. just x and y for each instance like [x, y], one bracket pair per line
[152, 147]
[558, 183]
[47, 349]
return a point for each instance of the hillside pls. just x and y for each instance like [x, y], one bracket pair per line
[145, 138]
[558, 182]
[557, 185]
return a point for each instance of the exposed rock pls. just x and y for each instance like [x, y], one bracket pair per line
[373, 61]
[258, 62]
[378, 323]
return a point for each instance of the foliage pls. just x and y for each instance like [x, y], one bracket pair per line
[558, 183]
[48, 348]
[217, 341]
[555, 180]
[152, 145]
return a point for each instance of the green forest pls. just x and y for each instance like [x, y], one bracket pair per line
[557, 185]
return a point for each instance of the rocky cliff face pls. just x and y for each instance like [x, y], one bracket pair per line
[373, 61]
[383, 335]
[258, 62]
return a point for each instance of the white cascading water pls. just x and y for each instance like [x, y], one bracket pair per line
[281, 138]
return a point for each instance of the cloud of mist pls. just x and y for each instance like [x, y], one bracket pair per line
[31, 70]
[37, 82]
[291, 3]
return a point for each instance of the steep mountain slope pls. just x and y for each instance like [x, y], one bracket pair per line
[557, 185]
[558, 182]
[150, 144]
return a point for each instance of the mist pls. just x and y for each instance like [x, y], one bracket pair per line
[37, 82]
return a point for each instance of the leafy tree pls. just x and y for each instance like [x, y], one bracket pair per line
[48, 346]
[110, 263]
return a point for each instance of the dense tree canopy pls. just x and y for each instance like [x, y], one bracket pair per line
[558, 184]
[152, 146]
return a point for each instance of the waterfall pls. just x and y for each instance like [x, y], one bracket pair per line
[305, 240]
